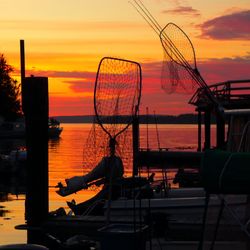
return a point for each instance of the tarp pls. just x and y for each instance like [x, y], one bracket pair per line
[226, 172]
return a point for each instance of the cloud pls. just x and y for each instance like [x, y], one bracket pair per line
[65, 25]
[79, 81]
[85, 86]
[182, 10]
[61, 74]
[213, 71]
[218, 70]
[70, 106]
[231, 26]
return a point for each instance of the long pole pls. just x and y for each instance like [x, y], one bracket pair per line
[22, 57]
[22, 65]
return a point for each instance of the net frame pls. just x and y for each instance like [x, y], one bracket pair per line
[173, 51]
[107, 109]
[175, 76]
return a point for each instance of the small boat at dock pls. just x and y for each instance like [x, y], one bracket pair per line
[54, 128]
[16, 130]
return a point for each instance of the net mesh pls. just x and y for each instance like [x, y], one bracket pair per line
[116, 101]
[179, 63]
[117, 94]
[96, 146]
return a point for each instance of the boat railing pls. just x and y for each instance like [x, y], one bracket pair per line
[227, 93]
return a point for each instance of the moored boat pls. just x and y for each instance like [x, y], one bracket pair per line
[13, 130]
[54, 128]
[182, 209]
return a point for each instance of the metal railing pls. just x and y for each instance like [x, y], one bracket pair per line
[226, 93]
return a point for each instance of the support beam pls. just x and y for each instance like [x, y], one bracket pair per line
[135, 132]
[207, 121]
[199, 131]
[220, 132]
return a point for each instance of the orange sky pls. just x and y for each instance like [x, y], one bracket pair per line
[65, 40]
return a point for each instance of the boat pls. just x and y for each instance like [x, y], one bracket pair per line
[16, 130]
[227, 161]
[54, 128]
[178, 213]
[10, 130]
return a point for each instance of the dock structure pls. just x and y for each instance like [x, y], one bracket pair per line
[233, 96]
[230, 94]
[234, 111]
[35, 102]
[169, 159]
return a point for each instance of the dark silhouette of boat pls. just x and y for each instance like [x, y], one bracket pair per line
[14, 130]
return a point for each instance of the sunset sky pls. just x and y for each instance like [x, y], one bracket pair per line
[65, 40]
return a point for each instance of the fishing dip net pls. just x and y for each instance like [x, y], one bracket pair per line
[96, 146]
[177, 62]
[117, 94]
[116, 101]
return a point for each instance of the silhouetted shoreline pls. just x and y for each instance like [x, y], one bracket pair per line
[144, 119]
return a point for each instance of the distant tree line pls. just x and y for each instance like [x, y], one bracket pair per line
[143, 119]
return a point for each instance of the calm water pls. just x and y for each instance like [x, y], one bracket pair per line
[65, 160]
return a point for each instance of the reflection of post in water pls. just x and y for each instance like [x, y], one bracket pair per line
[6, 145]
[13, 172]
[54, 142]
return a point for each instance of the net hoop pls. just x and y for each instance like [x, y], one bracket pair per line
[135, 108]
[163, 36]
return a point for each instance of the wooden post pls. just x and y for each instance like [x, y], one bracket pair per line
[22, 66]
[22, 56]
[207, 121]
[135, 132]
[220, 132]
[199, 131]
[35, 107]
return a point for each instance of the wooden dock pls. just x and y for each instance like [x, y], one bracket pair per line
[169, 159]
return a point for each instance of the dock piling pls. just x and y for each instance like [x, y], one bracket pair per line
[35, 107]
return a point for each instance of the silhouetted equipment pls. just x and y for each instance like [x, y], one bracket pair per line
[117, 96]
[117, 93]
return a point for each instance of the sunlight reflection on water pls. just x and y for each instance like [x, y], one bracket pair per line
[65, 160]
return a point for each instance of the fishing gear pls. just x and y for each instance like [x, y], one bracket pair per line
[179, 71]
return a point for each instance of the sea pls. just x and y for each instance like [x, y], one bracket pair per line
[66, 160]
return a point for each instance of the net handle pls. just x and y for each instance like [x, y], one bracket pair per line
[138, 101]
